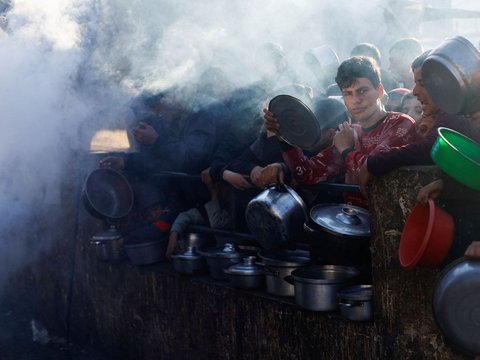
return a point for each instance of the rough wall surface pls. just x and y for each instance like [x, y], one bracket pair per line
[154, 313]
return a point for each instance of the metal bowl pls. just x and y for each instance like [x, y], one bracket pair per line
[456, 304]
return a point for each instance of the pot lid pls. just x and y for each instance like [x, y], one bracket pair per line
[324, 274]
[456, 304]
[228, 251]
[298, 124]
[357, 293]
[342, 219]
[109, 234]
[247, 267]
[285, 258]
[190, 254]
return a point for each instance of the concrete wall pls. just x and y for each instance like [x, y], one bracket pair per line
[154, 313]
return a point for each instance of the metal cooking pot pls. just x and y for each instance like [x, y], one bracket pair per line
[189, 262]
[108, 245]
[107, 194]
[246, 275]
[277, 265]
[355, 302]
[316, 286]
[456, 304]
[339, 234]
[451, 75]
[276, 216]
[220, 258]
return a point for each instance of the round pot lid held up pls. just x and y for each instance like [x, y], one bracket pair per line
[342, 219]
[298, 124]
[456, 304]
[246, 268]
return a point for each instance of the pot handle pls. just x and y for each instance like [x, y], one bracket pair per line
[307, 228]
[95, 242]
[349, 304]
[289, 279]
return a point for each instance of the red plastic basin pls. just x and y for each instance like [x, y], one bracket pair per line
[427, 236]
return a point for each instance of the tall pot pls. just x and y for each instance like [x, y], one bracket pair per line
[339, 234]
[279, 264]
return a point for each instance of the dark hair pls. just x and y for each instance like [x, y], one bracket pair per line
[418, 61]
[357, 67]
[367, 49]
[330, 113]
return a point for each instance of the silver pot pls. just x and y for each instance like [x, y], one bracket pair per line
[355, 302]
[450, 74]
[275, 216]
[246, 275]
[189, 262]
[316, 287]
[108, 245]
[279, 264]
[218, 259]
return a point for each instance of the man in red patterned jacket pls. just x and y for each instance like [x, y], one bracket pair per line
[373, 130]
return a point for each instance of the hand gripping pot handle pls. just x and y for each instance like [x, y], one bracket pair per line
[287, 189]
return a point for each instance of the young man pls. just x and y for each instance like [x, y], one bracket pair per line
[418, 152]
[374, 130]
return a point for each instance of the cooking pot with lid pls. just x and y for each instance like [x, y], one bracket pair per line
[189, 262]
[276, 216]
[108, 245]
[355, 302]
[339, 234]
[246, 275]
[220, 258]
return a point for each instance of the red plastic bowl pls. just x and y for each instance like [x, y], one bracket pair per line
[427, 236]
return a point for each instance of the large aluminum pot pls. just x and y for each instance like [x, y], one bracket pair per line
[339, 234]
[456, 304]
[276, 216]
[316, 286]
[107, 194]
[451, 75]
[277, 265]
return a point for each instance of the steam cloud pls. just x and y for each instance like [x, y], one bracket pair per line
[70, 67]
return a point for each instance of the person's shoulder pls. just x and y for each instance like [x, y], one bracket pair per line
[398, 117]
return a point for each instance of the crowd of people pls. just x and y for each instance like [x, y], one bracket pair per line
[373, 120]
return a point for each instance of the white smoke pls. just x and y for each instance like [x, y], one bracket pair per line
[70, 68]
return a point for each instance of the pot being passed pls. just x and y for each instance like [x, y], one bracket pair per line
[356, 302]
[246, 275]
[275, 216]
[189, 262]
[220, 258]
[277, 265]
[316, 286]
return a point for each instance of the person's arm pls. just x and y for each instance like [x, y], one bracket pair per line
[324, 166]
[219, 218]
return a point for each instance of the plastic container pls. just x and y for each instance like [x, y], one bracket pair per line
[427, 236]
[458, 156]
